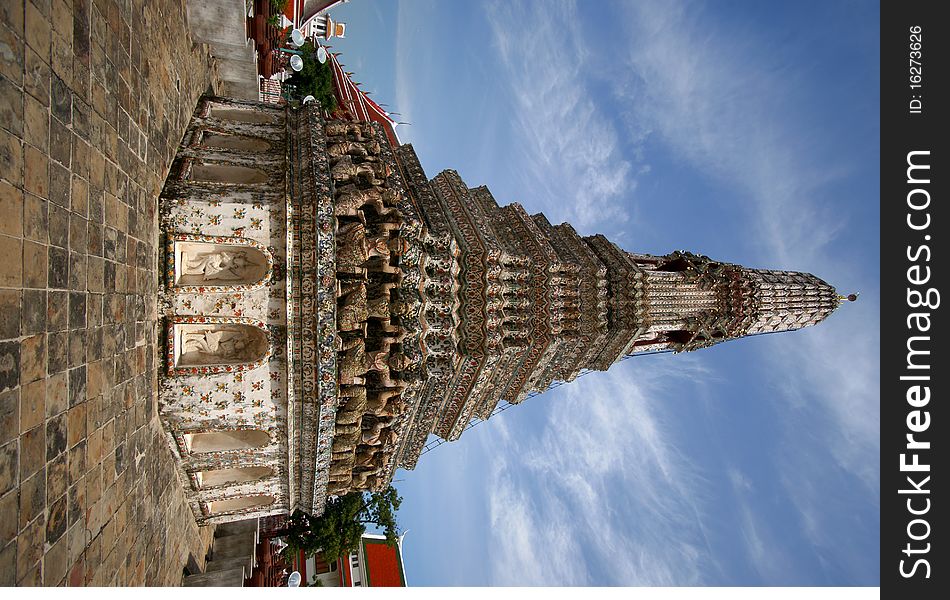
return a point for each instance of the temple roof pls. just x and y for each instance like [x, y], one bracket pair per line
[356, 103]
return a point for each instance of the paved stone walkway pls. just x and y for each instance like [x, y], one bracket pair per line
[94, 98]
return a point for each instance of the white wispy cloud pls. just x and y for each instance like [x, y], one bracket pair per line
[572, 158]
[602, 484]
[608, 456]
[725, 109]
[410, 67]
[729, 110]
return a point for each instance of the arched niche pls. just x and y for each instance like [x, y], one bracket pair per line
[234, 142]
[232, 475]
[225, 441]
[242, 115]
[217, 507]
[214, 173]
[208, 345]
[217, 263]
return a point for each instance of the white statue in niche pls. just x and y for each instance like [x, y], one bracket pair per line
[221, 344]
[218, 265]
[222, 265]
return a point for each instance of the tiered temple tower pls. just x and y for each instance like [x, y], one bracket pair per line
[329, 307]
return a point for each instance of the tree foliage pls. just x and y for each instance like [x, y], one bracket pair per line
[315, 79]
[338, 530]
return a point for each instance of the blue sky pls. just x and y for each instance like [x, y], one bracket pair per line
[747, 131]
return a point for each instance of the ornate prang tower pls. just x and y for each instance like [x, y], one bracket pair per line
[520, 303]
[328, 307]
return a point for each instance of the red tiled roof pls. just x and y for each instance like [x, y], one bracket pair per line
[356, 103]
[383, 564]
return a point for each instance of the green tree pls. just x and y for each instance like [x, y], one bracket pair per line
[338, 530]
[314, 79]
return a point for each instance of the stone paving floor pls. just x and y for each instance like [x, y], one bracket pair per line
[94, 98]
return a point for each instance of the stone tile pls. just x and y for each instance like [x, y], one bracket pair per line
[96, 210]
[11, 271]
[56, 477]
[33, 576]
[36, 32]
[56, 561]
[35, 266]
[77, 573]
[109, 278]
[108, 436]
[32, 405]
[32, 498]
[32, 451]
[94, 316]
[9, 465]
[77, 271]
[108, 469]
[35, 122]
[61, 100]
[127, 101]
[94, 450]
[55, 436]
[80, 197]
[94, 237]
[75, 516]
[33, 313]
[56, 520]
[77, 310]
[11, 157]
[36, 76]
[8, 560]
[77, 347]
[109, 243]
[76, 426]
[57, 394]
[58, 268]
[32, 358]
[35, 219]
[76, 462]
[96, 381]
[57, 352]
[58, 225]
[93, 476]
[62, 18]
[9, 314]
[81, 30]
[59, 184]
[11, 107]
[43, 6]
[77, 233]
[9, 508]
[77, 386]
[35, 171]
[11, 15]
[87, 128]
[11, 56]
[61, 58]
[11, 210]
[60, 141]
[9, 417]
[9, 365]
[57, 311]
